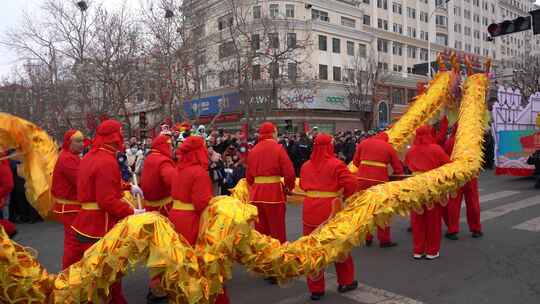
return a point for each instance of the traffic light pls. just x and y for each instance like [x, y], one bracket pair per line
[510, 26]
[142, 120]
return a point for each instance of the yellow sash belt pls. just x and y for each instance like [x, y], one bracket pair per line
[89, 206]
[179, 205]
[267, 179]
[372, 163]
[159, 203]
[66, 202]
[321, 194]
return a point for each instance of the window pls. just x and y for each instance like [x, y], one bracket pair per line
[348, 76]
[467, 31]
[323, 72]
[319, 15]
[493, 8]
[382, 45]
[257, 12]
[337, 73]
[226, 49]
[273, 40]
[467, 14]
[348, 22]
[424, 16]
[441, 39]
[411, 32]
[396, 8]
[225, 21]
[397, 48]
[467, 47]
[440, 20]
[382, 4]
[424, 35]
[423, 54]
[274, 70]
[382, 24]
[256, 72]
[457, 27]
[439, 2]
[484, 36]
[336, 45]
[411, 12]
[367, 19]
[477, 50]
[486, 52]
[291, 40]
[255, 41]
[484, 21]
[398, 68]
[477, 34]
[476, 18]
[362, 50]
[411, 52]
[365, 1]
[397, 96]
[383, 66]
[274, 11]
[476, 3]
[457, 11]
[226, 78]
[398, 28]
[289, 10]
[323, 44]
[291, 71]
[457, 45]
[350, 48]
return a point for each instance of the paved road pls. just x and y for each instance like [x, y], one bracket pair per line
[502, 267]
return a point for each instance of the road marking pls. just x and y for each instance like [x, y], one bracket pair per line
[496, 195]
[530, 225]
[365, 294]
[505, 209]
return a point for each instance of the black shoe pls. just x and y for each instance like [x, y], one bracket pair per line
[451, 236]
[316, 296]
[369, 243]
[347, 288]
[388, 245]
[409, 229]
[477, 234]
[271, 280]
[153, 299]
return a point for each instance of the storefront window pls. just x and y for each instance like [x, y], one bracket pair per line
[383, 114]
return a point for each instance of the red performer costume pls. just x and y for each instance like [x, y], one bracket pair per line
[423, 156]
[99, 189]
[64, 191]
[452, 211]
[157, 176]
[6, 186]
[372, 158]
[322, 177]
[191, 192]
[266, 164]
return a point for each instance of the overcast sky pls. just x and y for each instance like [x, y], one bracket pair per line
[11, 13]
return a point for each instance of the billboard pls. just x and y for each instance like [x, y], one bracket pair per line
[514, 148]
[213, 105]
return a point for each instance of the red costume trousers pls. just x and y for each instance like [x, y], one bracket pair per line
[71, 244]
[452, 211]
[344, 271]
[272, 220]
[426, 231]
[116, 294]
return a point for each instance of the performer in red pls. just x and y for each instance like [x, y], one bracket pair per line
[322, 177]
[157, 176]
[99, 190]
[6, 186]
[372, 157]
[423, 156]
[64, 191]
[267, 163]
[452, 211]
[191, 192]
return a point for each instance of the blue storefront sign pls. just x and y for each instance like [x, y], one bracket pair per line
[212, 105]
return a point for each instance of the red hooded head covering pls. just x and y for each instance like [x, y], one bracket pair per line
[424, 136]
[162, 144]
[323, 149]
[382, 136]
[68, 136]
[109, 132]
[267, 130]
[192, 152]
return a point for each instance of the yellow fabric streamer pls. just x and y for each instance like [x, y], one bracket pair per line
[196, 275]
[38, 152]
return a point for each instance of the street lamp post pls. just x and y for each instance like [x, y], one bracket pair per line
[441, 5]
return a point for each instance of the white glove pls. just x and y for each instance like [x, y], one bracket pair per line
[138, 211]
[136, 190]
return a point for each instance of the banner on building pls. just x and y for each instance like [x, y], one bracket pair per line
[213, 105]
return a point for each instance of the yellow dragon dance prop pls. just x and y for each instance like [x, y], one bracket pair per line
[38, 153]
[195, 275]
